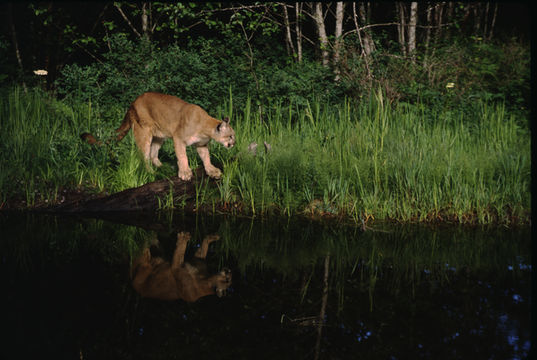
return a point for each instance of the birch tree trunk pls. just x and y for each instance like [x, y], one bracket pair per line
[298, 30]
[321, 29]
[412, 29]
[340, 11]
[145, 21]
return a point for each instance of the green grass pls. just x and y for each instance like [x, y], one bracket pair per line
[360, 161]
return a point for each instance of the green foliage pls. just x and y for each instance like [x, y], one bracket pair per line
[132, 68]
[453, 74]
[298, 83]
[201, 74]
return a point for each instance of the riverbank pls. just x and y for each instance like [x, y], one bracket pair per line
[360, 162]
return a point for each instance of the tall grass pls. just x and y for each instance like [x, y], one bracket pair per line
[363, 161]
[373, 160]
[42, 153]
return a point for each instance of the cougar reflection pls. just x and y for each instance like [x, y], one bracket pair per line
[188, 280]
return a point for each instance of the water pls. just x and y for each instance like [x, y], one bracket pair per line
[298, 290]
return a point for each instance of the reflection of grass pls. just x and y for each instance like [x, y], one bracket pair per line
[402, 257]
[360, 161]
[31, 242]
[287, 246]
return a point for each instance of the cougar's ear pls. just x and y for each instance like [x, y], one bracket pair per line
[226, 119]
[221, 126]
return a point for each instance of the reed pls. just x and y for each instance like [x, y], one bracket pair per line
[361, 161]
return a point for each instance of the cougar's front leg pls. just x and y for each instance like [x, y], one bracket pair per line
[180, 248]
[201, 253]
[211, 170]
[185, 173]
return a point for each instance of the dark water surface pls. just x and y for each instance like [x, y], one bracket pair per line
[299, 290]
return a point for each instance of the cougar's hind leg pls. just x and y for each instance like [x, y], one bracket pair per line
[143, 139]
[155, 147]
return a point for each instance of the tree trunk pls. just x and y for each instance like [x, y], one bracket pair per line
[298, 30]
[369, 45]
[449, 15]
[364, 55]
[439, 10]
[412, 29]
[477, 18]
[428, 35]
[13, 31]
[340, 11]
[146, 28]
[400, 7]
[429, 24]
[321, 30]
[493, 21]
[486, 21]
[124, 16]
[288, 39]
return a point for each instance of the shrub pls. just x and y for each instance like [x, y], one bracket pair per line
[489, 71]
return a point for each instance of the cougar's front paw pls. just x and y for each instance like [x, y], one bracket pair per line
[183, 236]
[214, 172]
[211, 238]
[156, 162]
[185, 175]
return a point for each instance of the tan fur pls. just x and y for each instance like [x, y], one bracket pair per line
[155, 278]
[155, 117]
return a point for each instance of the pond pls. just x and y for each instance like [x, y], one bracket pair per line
[265, 289]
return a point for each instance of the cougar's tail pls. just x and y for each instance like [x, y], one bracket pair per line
[90, 139]
[123, 129]
[125, 126]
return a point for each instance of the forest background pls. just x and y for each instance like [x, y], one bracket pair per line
[450, 64]
[112, 52]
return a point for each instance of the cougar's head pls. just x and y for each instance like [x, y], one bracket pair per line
[224, 134]
[223, 281]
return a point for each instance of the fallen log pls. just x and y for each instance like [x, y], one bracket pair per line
[148, 197]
